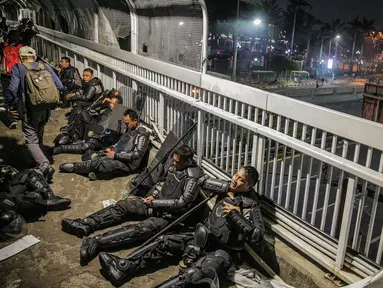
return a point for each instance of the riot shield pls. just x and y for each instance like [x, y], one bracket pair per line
[163, 159]
[132, 100]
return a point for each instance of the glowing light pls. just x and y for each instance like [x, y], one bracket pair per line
[329, 64]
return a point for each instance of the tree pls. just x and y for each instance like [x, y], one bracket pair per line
[281, 63]
[296, 5]
[270, 11]
[367, 27]
[310, 23]
[323, 34]
[354, 27]
[335, 28]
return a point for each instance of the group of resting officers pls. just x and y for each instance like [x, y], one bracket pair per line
[206, 251]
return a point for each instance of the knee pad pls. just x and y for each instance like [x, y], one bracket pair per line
[62, 139]
[201, 235]
[219, 260]
[95, 144]
[86, 146]
[224, 256]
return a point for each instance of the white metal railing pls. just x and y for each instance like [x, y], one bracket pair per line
[322, 169]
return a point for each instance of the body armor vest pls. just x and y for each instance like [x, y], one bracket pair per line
[174, 184]
[127, 142]
[221, 227]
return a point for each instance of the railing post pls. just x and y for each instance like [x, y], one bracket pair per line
[200, 136]
[260, 162]
[346, 222]
[134, 85]
[99, 72]
[161, 114]
[114, 80]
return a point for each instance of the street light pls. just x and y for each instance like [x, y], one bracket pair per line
[336, 47]
[256, 22]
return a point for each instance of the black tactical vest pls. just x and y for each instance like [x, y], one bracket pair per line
[174, 184]
[222, 228]
[128, 141]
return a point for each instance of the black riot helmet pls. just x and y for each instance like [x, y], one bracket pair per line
[7, 172]
[12, 225]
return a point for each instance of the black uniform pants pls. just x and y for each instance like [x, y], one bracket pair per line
[129, 209]
[103, 167]
[123, 211]
[209, 265]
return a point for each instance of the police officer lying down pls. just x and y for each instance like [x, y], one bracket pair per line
[28, 193]
[235, 219]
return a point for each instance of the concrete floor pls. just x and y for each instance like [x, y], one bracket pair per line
[54, 262]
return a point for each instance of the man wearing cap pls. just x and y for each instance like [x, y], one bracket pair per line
[33, 118]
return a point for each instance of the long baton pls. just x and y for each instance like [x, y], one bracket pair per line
[170, 226]
[133, 192]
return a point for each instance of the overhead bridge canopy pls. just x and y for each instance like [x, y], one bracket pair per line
[168, 30]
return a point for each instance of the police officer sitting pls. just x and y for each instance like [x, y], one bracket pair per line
[167, 200]
[125, 157]
[70, 77]
[92, 128]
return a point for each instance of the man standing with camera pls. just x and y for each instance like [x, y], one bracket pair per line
[32, 95]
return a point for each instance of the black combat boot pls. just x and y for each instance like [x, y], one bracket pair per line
[79, 227]
[78, 168]
[67, 168]
[37, 182]
[102, 219]
[118, 238]
[117, 269]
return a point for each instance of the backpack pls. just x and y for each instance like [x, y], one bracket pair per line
[41, 89]
[10, 57]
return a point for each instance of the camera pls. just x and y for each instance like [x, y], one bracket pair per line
[7, 118]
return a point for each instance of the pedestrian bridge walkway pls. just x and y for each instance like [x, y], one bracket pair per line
[321, 171]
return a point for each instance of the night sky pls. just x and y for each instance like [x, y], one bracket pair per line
[325, 10]
[346, 10]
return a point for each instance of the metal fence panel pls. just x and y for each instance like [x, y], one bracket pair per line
[170, 30]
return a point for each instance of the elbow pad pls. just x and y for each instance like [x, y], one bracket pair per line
[216, 185]
[243, 225]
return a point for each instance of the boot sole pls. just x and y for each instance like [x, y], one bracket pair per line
[84, 261]
[60, 206]
[105, 268]
[67, 228]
